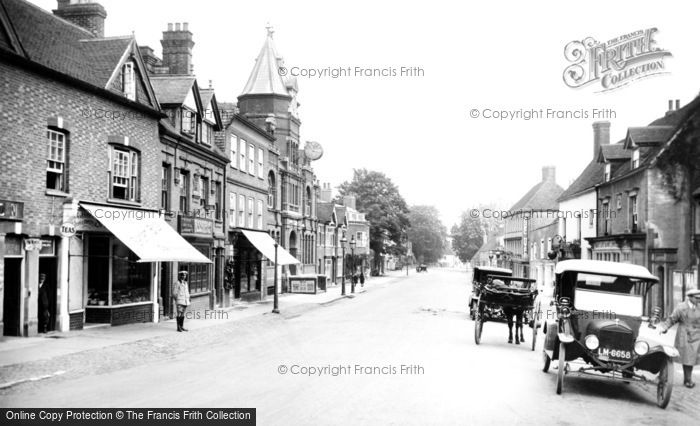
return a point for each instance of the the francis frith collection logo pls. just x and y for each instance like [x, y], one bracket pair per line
[616, 62]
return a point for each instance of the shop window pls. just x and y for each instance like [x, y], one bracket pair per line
[199, 273]
[124, 174]
[98, 270]
[56, 161]
[130, 279]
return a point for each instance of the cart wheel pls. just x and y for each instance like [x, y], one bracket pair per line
[665, 386]
[562, 366]
[547, 361]
[478, 327]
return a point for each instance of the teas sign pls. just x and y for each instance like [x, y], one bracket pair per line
[67, 229]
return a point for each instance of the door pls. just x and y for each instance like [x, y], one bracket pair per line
[13, 297]
[165, 295]
[47, 265]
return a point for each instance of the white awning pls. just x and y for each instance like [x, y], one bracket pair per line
[266, 245]
[146, 234]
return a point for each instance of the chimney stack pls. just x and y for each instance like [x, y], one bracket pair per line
[326, 193]
[678, 104]
[86, 14]
[549, 174]
[601, 135]
[177, 49]
[349, 201]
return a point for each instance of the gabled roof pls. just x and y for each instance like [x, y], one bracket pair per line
[173, 89]
[646, 136]
[63, 47]
[325, 212]
[265, 77]
[209, 98]
[613, 152]
[591, 176]
[540, 197]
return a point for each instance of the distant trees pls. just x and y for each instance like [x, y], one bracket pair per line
[427, 234]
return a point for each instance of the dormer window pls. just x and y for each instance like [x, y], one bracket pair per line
[607, 172]
[635, 158]
[189, 121]
[129, 81]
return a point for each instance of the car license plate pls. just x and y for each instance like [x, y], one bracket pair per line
[616, 354]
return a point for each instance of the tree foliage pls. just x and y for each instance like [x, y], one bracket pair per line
[386, 210]
[427, 233]
[473, 228]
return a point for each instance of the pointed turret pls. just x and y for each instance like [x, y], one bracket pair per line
[266, 79]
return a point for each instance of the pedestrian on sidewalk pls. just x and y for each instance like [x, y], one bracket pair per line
[362, 279]
[45, 315]
[687, 315]
[181, 295]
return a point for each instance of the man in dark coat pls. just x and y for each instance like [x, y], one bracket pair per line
[687, 315]
[44, 314]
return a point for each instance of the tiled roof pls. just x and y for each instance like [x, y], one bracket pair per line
[265, 77]
[642, 136]
[64, 47]
[172, 89]
[540, 197]
[614, 152]
[591, 176]
[324, 211]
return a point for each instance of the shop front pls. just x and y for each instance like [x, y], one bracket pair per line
[114, 261]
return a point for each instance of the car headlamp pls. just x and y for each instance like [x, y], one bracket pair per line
[591, 341]
[641, 347]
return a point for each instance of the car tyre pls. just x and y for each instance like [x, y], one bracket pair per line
[562, 367]
[478, 328]
[665, 386]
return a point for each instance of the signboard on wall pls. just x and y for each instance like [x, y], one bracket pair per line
[11, 210]
[302, 285]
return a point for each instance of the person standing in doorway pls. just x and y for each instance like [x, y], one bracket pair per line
[44, 314]
[181, 295]
[687, 315]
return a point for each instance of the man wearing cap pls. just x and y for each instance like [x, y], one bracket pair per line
[687, 315]
[181, 295]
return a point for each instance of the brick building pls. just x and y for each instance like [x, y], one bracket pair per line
[648, 204]
[193, 169]
[80, 193]
[270, 101]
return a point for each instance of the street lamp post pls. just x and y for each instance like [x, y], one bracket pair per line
[343, 240]
[275, 304]
[352, 256]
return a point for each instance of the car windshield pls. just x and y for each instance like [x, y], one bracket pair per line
[618, 295]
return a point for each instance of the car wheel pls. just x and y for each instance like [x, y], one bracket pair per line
[547, 361]
[665, 385]
[562, 367]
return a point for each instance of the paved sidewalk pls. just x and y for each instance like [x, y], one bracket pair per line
[18, 350]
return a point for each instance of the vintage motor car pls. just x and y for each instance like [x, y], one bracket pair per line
[480, 278]
[600, 309]
[422, 268]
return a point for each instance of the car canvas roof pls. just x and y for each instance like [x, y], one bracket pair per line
[493, 269]
[605, 268]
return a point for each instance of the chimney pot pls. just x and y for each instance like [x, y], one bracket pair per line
[601, 135]
[548, 174]
[177, 26]
[89, 15]
[670, 104]
[678, 104]
[184, 26]
[170, 26]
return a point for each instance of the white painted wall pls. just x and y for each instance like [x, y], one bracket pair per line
[585, 204]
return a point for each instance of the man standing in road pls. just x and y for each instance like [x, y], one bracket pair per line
[181, 295]
[687, 315]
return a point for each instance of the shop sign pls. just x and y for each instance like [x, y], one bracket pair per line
[67, 229]
[12, 210]
[32, 244]
[48, 247]
[303, 285]
[196, 225]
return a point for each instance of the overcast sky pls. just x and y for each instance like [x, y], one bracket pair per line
[500, 55]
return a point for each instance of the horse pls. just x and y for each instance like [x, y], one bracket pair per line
[518, 313]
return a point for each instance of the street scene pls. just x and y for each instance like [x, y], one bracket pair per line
[378, 213]
[418, 321]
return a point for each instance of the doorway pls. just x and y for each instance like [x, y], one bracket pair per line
[165, 295]
[13, 297]
[47, 265]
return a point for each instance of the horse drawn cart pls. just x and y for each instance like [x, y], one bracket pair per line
[499, 299]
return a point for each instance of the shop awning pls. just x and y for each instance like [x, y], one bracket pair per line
[146, 234]
[266, 245]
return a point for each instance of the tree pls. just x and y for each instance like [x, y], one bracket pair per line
[467, 237]
[385, 209]
[427, 233]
